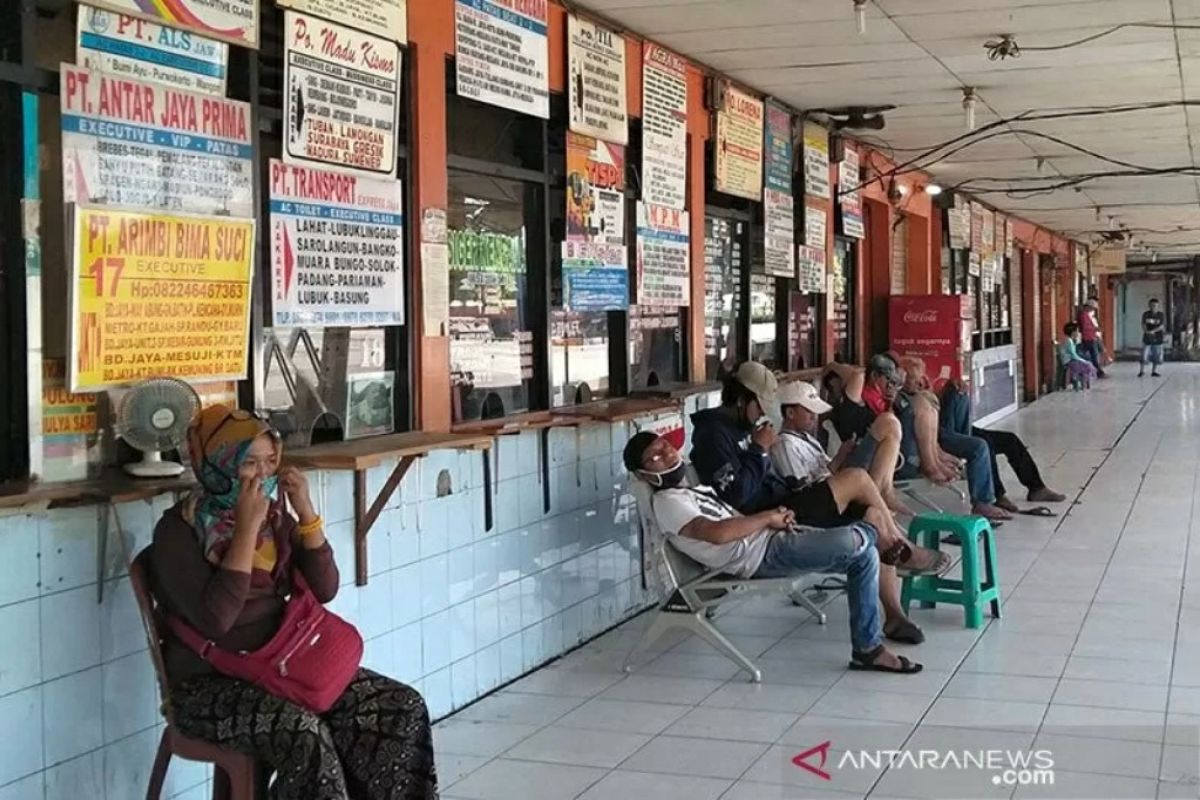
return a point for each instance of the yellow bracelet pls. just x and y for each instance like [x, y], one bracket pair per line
[311, 528]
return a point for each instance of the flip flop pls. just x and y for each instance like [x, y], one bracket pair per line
[865, 662]
[1037, 511]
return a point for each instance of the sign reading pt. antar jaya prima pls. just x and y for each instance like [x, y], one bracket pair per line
[129, 47]
[663, 256]
[342, 97]
[156, 295]
[386, 18]
[664, 127]
[234, 21]
[127, 143]
[501, 54]
[337, 248]
[597, 81]
[739, 145]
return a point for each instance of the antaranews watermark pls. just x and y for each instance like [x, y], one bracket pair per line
[1008, 767]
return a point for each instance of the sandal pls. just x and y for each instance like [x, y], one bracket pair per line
[1045, 495]
[865, 662]
[1007, 505]
[935, 562]
[907, 632]
[1038, 511]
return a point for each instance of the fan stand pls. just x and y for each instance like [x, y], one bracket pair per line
[153, 466]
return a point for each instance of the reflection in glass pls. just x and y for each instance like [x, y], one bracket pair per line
[763, 328]
[491, 348]
[723, 254]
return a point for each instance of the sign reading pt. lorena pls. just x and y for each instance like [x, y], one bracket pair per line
[156, 295]
[128, 47]
[342, 101]
[337, 248]
[233, 21]
[127, 143]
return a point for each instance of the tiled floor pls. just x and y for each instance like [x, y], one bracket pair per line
[1097, 659]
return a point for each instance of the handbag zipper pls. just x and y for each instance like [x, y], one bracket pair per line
[292, 651]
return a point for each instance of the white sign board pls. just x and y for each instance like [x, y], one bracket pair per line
[385, 18]
[233, 21]
[337, 248]
[810, 269]
[779, 255]
[341, 97]
[596, 57]
[739, 145]
[129, 47]
[816, 161]
[501, 55]
[816, 224]
[143, 145]
[663, 256]
[664, 127]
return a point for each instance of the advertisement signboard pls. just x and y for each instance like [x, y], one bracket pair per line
[133, 144]
[664, 127]
[663, 256]
[233, 21]
[156, 295]
[342, 97]
[848, 194]
[385, 18]
[739, 144]
[595, 190]
[596, 58]
[337, 248]
[595, 277]
[514, 76]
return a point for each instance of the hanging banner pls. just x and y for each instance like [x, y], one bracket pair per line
[595, 190]
[1008, 238]
[977, 228]
[958, 225]
[974, 264]
[337, 248]
[816, 161]
[664, 127]
[385, 18]
[233, 21]
[596, 57]
[129, 47]
[779, 239]
[156, 295]
[595, 277]
[663, 256]
[987, 233]
[500, 54]
[133, 144]
[816, 226]
[851, 202]
[810, 269]
[739, 145]
[342, 98]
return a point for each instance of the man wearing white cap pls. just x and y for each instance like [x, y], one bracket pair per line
[826, 495]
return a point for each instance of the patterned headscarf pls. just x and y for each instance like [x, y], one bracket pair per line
[218, 440]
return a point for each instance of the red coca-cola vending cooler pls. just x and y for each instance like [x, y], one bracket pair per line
[935, 328]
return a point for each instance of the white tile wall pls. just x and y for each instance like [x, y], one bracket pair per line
[452, 607]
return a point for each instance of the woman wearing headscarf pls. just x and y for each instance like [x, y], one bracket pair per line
[224, 561]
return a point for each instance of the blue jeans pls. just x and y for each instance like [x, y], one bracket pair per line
[849, 549]
[1091, 351]
[955, 414]
[979, 463]
[1152, 353]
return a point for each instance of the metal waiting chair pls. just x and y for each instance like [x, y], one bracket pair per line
[236, 776]
[693, 592]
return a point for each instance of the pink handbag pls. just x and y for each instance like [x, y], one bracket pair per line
[309, 661]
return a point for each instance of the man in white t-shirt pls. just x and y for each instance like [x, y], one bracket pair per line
[766, 545]
[829, 494]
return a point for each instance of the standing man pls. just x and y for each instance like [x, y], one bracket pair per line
[1154, 323]
[1089, 328]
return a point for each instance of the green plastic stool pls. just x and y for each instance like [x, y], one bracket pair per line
[976, 587]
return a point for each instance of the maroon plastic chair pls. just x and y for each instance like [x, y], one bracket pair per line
[236, 776]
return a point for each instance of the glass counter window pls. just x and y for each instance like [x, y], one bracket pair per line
[491, 347]
[723, 254]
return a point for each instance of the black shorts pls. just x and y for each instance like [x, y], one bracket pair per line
[815, 506]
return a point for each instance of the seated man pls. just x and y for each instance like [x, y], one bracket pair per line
[832, 494]
[973, 450]
[767, 544]
[730, 447]
[955, 417]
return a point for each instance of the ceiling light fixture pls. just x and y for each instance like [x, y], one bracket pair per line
[1112, 223]
[968, 105]
[1098, 215]
[933, 190]
[860, 16]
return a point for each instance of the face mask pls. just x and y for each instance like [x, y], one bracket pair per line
[669, 478]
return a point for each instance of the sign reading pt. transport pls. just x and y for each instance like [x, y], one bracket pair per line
[337, 248]
[157, 295]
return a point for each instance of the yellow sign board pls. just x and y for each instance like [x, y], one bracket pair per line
[158, 295]
[62, 411]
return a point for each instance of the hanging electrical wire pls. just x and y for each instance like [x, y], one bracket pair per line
[1006, 46]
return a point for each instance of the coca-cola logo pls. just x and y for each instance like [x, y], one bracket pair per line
[928, 315]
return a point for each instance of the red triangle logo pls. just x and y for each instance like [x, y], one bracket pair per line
[801, 760]
[289, 262]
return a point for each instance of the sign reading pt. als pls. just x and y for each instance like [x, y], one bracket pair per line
[156, 295]
[233, 21]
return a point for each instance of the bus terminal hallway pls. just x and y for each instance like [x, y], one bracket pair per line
[1094, 666]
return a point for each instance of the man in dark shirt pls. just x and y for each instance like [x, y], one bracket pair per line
[1154, 324]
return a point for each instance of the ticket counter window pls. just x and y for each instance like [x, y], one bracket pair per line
[764, 326]
[491, 346]
[655, 346]
[579, 357]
